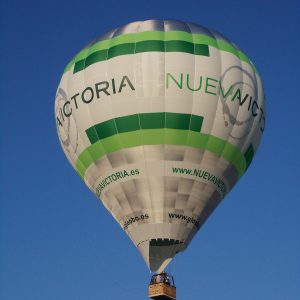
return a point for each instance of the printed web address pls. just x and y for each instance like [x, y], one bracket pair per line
[144, 217]
[205, 175]
[115, 177]
[184, 218]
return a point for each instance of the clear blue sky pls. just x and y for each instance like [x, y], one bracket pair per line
[57, 242]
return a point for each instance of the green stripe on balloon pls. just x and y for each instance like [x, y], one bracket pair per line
[249, 155]
[145, 46]
[144, 121]
[98, 51]
[186, 138]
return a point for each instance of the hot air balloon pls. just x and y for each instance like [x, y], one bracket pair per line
[160, 119]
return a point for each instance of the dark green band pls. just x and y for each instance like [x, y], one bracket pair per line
[144, 121]
[139, 47]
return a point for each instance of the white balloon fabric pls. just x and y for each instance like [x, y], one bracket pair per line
[160, 119]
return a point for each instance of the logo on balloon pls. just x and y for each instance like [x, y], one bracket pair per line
[244, 91]
[67, 130]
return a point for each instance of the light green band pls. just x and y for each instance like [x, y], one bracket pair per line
[159, 137]
[132, 38]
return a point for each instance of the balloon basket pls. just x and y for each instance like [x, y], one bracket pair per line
[162, 287]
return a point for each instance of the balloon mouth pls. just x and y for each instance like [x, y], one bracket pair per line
[162, 251]
[158, 253]
[159, 243]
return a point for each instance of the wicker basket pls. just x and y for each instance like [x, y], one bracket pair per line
[161, 291]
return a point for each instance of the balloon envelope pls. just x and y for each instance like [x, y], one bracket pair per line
[160, 119]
